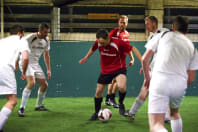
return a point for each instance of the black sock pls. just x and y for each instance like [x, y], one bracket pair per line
[121, 97]
[108, 96]
[112, 97]
[98, 102]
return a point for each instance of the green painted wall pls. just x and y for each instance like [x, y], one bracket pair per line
[72, 79]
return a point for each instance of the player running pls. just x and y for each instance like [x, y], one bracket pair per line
[10, 50]
[174, 68]
[151, 23]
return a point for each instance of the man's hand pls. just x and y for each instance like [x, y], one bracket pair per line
[131, 63]
[23, 76]
[48, 75]
[83, 60]
[141, 70]
[147, 83]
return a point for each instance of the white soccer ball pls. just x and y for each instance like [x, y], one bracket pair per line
[104, 114]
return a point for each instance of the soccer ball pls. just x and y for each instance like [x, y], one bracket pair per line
[104, 115]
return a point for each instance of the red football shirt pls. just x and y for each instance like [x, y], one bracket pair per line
[124, 35]
[111, 56]
[115, 33]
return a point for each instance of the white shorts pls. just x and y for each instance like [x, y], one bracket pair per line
[7, 81]
[34, 70]
[164, 91]
[160, 104]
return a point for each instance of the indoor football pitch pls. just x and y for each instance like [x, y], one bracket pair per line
[72, 114]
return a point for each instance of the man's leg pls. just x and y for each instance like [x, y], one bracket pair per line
[26, 94]
[157, 107]
[156, 122]
[138, 102]
[121, 82]
[98, 100]
[7, 109]
[112, 96]
[109, 92]
[167, 117]
[115, 88]
[176, 121]
[41, 95]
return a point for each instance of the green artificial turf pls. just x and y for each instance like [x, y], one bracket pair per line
[72, 114]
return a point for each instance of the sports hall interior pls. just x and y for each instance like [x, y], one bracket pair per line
[73, 26]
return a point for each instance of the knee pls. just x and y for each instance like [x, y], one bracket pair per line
[98, 94]
[31, 84]
[157, 127]
[110, 87]
[143, 93]
[45, 84]
[13, 102]
[122, 87]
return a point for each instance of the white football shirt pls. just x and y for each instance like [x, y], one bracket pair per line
[10, 49]
[158, 33]
[175, 54]
[37, 47]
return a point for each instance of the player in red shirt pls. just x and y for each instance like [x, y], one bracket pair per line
[111, 54]
[119, 33]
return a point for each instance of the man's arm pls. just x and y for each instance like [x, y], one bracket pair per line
[193, 66]
[137, 53]
[47, 63]
[131, 57]
[191, 76]
[83, 60]
[145, 64]
[17, 65]
[25, 61]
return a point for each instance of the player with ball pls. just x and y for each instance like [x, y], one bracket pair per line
[111, 54]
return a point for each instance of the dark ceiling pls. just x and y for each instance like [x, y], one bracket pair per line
[63, 2]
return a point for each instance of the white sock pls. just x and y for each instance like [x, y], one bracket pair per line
[40, 97]
[5, 112]
[176, 125]
[136, 105]
[167, 117]
[162, 130]
[25, 95]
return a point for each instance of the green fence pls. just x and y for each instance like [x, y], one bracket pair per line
[74, 80]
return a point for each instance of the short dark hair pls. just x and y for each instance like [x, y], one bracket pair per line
[16, 29]
[43, 25]
[152, 19]
[102, 33]
[181, 24]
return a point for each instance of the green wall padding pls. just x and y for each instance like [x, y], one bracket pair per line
[74, 80]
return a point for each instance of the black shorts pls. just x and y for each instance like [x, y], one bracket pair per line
[107, 78]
